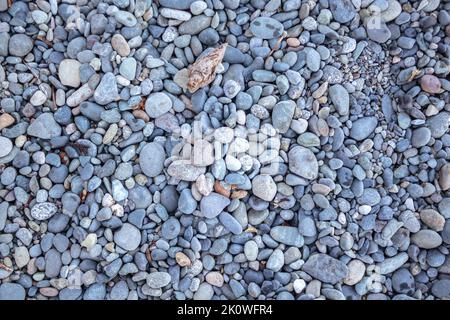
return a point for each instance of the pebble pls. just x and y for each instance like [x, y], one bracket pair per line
[430, 83]
[20, 45]
[43, 211]
[325, 268]
[158, 104]
[44, 127]
[392, 11]
[151, 159]
[128, 68]
[6, 120]
[184, 170]
[5, 146]
[363, 128]
[205, 292]
[266, 28]
[343, 10]
[12, 291]
[158, 280]
[356, 271]
[420, 137]
[403, 282]
[120, 45]
[287, 235]
[427, 239]
[106, 90]
[170, 229]
[310, 164]
[377, 30]
[282, 115]
[128, 237]
[303, 162]
[264, 187]
[213, 204]
[69, 73]
[340, 98]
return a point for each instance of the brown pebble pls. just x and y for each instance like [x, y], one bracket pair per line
[430, 84]
[6, 120]
[323, 128]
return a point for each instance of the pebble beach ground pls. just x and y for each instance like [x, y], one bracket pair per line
[225, 149]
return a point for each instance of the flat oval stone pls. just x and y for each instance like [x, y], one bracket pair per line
[44, 127]
[43, 211]
[213, 204]
[158, 280]
[158, 104]
[343, 10]
[12, 291]
[303, 162]
[170, 229]
[230, 222]
[427, 239]
[151, 159]
[287, 235]
[282, 115]
[128, 237]
[266, 28]
[20, 45]
[5, 146]
[392, 11]
[420, 137]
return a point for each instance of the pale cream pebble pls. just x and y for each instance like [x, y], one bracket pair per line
[89, 241]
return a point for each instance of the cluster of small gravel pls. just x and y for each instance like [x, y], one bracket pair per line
[315, 165]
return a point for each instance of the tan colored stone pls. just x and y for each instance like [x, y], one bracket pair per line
[6, 120]
[356, 271]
